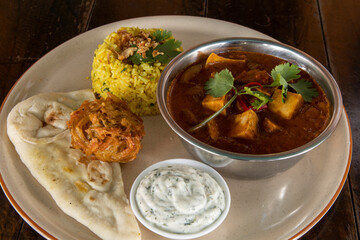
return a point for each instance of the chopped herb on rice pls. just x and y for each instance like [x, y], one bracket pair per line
[134, 83]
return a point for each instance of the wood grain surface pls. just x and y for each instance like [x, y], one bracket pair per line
[329, 30]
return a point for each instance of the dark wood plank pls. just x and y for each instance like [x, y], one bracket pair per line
[342, 38]
[9, 73]
[297, 24]
[10, 222]
[112, 11]
[34, 28]
[29, 29]
[27, 233]
[338, 223]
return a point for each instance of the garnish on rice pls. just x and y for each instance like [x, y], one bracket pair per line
[146, 47]
[129, 63]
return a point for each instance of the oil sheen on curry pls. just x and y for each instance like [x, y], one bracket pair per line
[249, 103]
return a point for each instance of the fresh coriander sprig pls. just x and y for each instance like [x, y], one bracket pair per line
[161, 35]
[221, 84]
[261, 100]
[305, 89]
[168, 47]
[282, 74]
[203, 123]
[169, 50]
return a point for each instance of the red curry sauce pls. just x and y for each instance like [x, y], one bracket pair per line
[185, 97]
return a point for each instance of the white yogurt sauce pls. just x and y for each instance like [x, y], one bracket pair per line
[180, 199]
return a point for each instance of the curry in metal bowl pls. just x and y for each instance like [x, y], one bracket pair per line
[248, 102]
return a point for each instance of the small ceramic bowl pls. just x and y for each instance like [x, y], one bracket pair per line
[182, 162]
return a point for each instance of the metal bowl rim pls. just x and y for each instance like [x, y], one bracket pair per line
[337, 107]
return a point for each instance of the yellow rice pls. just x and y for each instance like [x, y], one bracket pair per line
[135, 84]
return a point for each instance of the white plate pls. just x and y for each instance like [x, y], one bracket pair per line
[281, 207]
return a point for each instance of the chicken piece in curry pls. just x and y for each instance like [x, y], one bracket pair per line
[266, 110]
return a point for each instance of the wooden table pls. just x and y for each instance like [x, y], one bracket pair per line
[329, 30]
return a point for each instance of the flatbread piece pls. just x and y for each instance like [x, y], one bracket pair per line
[92, 192]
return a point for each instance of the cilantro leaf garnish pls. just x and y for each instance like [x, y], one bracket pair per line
[280, 81]
[223, 82]
[203, 123]
[283, 74]
[220, 84]
[305, 89]
[287, 71]
[261, 100]
[137, 59]
[161, 35]
[169, 50]
[257, 104]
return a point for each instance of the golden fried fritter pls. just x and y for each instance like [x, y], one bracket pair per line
[107, 130]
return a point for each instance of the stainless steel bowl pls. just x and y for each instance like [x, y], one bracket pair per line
[239, 165]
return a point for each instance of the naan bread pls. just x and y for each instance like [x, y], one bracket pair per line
[90, 192]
